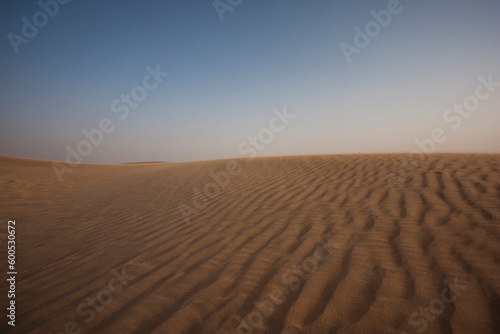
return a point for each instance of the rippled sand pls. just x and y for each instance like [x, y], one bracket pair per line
[300, 244]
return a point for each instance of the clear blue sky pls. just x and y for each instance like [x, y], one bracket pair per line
[226, 77]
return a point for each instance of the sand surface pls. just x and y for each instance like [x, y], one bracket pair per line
[307, 244]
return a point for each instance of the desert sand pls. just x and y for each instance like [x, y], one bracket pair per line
[297, 244]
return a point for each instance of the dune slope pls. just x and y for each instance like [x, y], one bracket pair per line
[305, 244]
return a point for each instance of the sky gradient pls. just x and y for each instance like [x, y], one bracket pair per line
[227, 76]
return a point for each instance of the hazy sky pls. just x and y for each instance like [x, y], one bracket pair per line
[227, 76]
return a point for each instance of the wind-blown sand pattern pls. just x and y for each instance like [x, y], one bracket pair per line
[395, 249]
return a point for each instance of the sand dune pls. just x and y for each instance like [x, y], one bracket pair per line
[146, 162]
[306, 244]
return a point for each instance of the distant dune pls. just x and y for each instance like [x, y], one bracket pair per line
[299, 244]
[145, 162]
